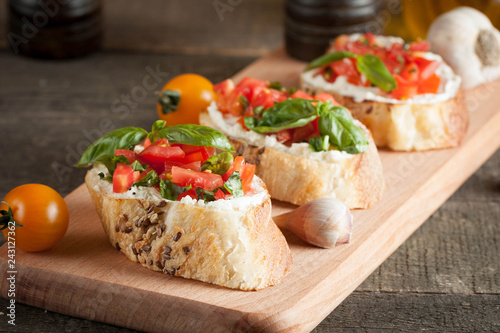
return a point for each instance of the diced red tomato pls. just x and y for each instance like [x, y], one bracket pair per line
[325, 97]
[303, 133]
[267, 97]
[238, 164]
[185, 177]
[347, 67]
[410, 72]
[189, 193]
[301, 94]
[427, 67]
[222, 91]
[123, 177]
[247, 176]
[405, 88]
[188, 149]
[161, 142]
[420, 46]
[429, 85]
[219, 195]
[155, 156]
[250, 87]
[147, 143]
[195, 166]
[284, 135]
[129, 154]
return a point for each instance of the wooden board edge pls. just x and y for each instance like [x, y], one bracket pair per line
[151, 312]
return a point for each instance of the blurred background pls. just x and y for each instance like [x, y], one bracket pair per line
[229, 27]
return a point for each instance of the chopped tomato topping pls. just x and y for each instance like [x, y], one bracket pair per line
[404, 62]
[156, 155]
[129, 154]
[429, 85]
[238, 164]
[219, 195]
[427, 67]
[284, 135]
[147, 143]
[123, 177]
[161, 142]
[206, 180]
[247, 176]
[195, 166]
[206, 152]
[324, 97]
[405, 89]
[301, 94]
[189, 193]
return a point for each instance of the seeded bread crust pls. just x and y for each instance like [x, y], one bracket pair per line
[408, 127]
[357, 181]
[236, 249]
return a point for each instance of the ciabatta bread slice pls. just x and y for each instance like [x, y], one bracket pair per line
[298, 175]
[429, 121]
[232, 243]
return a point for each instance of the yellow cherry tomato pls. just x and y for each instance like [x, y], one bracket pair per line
[183, 98]
[43, 214]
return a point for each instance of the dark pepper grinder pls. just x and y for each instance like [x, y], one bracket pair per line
[310, 25]
[54, 29]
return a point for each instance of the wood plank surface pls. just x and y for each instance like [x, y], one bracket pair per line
[237, 27]
[319, 281]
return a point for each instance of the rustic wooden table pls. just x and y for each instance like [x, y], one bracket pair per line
[444, 278]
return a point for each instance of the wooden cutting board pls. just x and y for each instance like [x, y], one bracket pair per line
[84, 276]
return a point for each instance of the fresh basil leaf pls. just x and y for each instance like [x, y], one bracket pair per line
[291, 113]
[137, 166]
[233, 185]
[104, 177]
[110, 162]
[258, 110]
[151, 179]
[376, 72]
[292, 91]
[158, 125]
[195, 135]
[320, 143]
[277, 86]
[329, 58]
[219, 163]
[169, 101]
[122, 138]
[170, 191]
[337, 123]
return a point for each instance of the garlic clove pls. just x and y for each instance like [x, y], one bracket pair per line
[324, 222]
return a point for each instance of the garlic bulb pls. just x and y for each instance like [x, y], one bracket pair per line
[324, 222]
[469, 43]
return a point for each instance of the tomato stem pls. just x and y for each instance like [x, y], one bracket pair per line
[169, 101]
[7, 217]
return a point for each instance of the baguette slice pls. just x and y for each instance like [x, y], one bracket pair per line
[232, 243]
[357, 180]
[423, 123]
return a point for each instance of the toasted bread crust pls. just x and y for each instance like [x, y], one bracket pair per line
[239, 250]
[358, 181]
[408, 127]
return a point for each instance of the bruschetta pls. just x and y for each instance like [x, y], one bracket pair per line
[167, 200]
[304, 148]
[408, 98]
